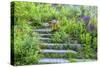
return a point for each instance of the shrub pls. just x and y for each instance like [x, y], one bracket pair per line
[59, 37]
[26, 47]
[89, 46]
[71, 55]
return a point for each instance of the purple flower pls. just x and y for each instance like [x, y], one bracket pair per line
[86, 19]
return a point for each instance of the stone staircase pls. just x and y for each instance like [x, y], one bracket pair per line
[49, 48]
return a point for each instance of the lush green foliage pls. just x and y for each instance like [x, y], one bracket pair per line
[74, 31]
[28, 16]
[59, 37]
[25, 47]
[26, 44]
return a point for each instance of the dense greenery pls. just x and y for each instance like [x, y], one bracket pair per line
[29, 16]
[26, 44]
[74, 31]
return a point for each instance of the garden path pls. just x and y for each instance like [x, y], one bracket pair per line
[54, 48]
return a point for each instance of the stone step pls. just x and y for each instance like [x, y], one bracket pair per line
[60, 55]
[46, 40]
[43, 30]
[60, 46]
[61, 60]
[57, 51]
[45, 35]
[53, 60]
